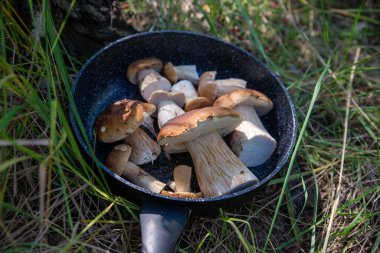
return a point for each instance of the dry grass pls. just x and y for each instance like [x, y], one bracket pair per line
[50, 199]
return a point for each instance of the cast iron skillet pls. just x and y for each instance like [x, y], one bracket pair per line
[102, 81]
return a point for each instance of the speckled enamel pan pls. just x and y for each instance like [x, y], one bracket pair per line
[103, 81]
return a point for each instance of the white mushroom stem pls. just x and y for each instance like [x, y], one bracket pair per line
[182, 178]
[144, 149]
[117, 161]
[187, 88]
[149, 123]
[250, 140]
[167, 110]
[142, 178]
[171, 184]
[229, 85]
[153, 82]
[187, 72]
[218, 169]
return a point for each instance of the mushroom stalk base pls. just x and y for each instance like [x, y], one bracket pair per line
[217, 168]
[140, 177]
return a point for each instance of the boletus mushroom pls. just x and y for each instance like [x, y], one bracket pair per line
[217, 168]
[181, 72]
[120, 119]
[192, 101]
[117, 161]
[145, 72]
[250, 140]
[144, 148]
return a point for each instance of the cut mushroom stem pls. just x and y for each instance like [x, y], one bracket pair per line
[229, 85]
[167, 110]
[153, 82]
[171, 185]
[144, 149]
[142, 178]
[250, 140]
[182, 72]
[191, 195]
[192, 101]
[117, 161]
[182, 178]
[217, 168]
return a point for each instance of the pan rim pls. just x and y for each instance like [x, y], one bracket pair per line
[282, 161]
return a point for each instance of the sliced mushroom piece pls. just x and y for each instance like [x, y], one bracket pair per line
[250, 141]
[135, 67]
[217, 168]
[182, 178]
[191, 195]
[206, 88]
[153, 82]
[192, 101]
[120, 119]
[181, 72]
[225, 86]
[117, 161]
[171, 185]
[144, 149]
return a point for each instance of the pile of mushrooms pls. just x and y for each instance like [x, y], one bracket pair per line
[193, 114]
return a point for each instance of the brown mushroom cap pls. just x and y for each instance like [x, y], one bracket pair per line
[170, 72]
[121, 118]
[191, 125]
[196, 103]
[258, 100]
[146, 63]
[205, 88]
[118, 157]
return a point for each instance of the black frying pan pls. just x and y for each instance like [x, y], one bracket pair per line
[102, 81]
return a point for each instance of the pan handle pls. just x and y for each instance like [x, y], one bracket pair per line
[161, 226]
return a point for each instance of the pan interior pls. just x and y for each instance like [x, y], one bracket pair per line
[102, 81]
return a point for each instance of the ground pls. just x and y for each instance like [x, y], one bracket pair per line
[326, 199]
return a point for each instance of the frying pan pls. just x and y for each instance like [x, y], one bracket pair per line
[102, 81]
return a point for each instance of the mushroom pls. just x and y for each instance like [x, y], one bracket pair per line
[192, 101]
[169, 105]
[171, 185]
[250, 141]
[182, 178]
[135, 67]
[229, 85]
[182, 72]
[117, 161]
[217, 168]
[144, 149]
[146, 73]
[120, 119]
[205, 87]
